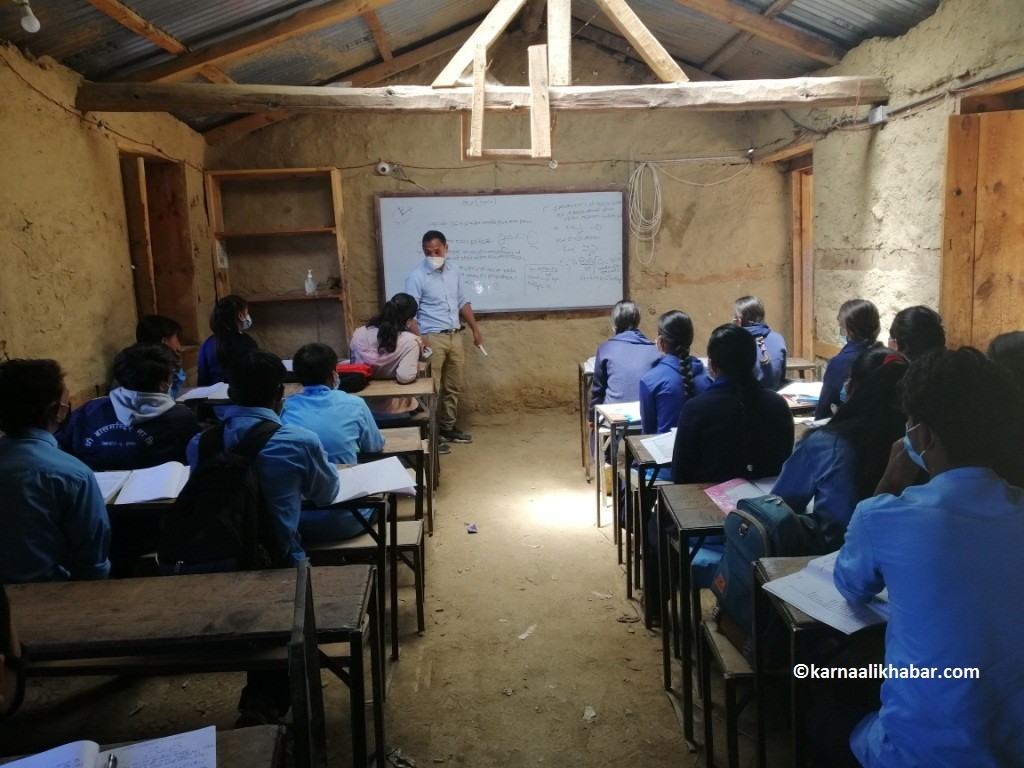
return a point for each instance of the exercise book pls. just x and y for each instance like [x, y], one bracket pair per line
[726, 495]
[661, 446]
[218, 391]
[194, 749]
[111, 482]
[158, 483]
[383, 476]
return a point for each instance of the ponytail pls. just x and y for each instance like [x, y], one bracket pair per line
[391, 321]
[676, 331]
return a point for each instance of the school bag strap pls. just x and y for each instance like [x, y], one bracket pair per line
[211, 441]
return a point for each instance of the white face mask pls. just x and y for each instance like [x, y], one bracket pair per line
[435, 261]
[247, 323]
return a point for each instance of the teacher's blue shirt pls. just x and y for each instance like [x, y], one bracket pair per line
[53, 522]
[949, 553]
[439, 295]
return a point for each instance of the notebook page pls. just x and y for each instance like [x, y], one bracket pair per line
[77, 754]
[110, 482]
[661, 446]
[218, 391]
[164, 481]
[812, 591]
[383, 476]
[195, 749]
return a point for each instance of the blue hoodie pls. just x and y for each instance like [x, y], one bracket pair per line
[770, 368]
[662, 393]
[619, 364]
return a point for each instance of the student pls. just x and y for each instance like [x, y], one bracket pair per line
[949, 554]
[748, 313]
[840, 464]
[391, 350]
[1007, 349]
[915, 330]
[343, 423]
[12, 665]
[157, 329]
[138, 424]
[858, 329]
[227, 344]
[54, 524]
[621, 360]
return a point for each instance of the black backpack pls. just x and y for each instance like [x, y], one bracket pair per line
[219, 521]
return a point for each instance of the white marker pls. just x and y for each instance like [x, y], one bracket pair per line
[484, 351]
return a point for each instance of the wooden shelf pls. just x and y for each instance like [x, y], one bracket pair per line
[269, 174]
[334, 295]
[266, 232]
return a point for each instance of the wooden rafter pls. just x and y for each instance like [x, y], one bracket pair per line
[647, 45]
[612, 42]
[728, 95]
[560, 42]
[129, 19]
[748, 21]
[256, 40]
[496, 21]
[740, 41]
[380, 37]
[360, 79]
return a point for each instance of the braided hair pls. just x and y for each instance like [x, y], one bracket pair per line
[391, 321]
[676, 331]
[733, 352]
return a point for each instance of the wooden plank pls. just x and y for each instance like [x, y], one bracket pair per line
[476, 113]
[637, 33]
[270, 174]
[348, 316]
[560, 42]
[259, 39]
[133, 180]
[729, 95]
[956, 303]
[999, 246]
[540, 107]
[359, 79]
[767, 157]
[218, 252]
[380, 37]
[797, 347]
[807, 261]
[739, 42]
[787, 37]
[586, 31]
[490, 28]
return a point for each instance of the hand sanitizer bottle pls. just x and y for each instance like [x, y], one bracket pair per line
[310, 284]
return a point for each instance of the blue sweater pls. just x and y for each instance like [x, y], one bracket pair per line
[770, 369]
[836, 373]
[208, 367]
[662, 394]
[618, 366]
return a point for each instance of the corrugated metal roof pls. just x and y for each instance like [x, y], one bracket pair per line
[851, 22]
[408, 23]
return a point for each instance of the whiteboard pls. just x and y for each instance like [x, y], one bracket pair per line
[517, 251]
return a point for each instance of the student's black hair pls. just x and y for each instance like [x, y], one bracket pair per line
[733, 352]
[144, 367]
[396, 312]
[314, 363]
[625, 316]
[433, 234]
[153, 329]
[749, 310]
[860, 318]
[1007, 349]
[916, 330]
[224, 324]
[6, 640]
[256, 378]
[676, 331]
[27, 389]
[871, 419]
[972, 405]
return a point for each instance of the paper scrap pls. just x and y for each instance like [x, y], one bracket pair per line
[470, 527]
[528, 632]
[589, 714]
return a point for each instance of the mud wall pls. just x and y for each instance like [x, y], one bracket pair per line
[724, 233]
[66, 286]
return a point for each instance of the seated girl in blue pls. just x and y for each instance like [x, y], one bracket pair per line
[858, 329]
[674, 378]
[229, 318]
[748, 313]
[840, 464]
[622, 360]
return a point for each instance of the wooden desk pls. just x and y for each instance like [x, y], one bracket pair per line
[586, 378]
[423, 390]
[695, 516]
[190, 618]
[637, 515]
[802, 367]
[407, 442]
[618, 424]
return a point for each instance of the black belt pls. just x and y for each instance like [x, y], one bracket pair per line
[450, 331]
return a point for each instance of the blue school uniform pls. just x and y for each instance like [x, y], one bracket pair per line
[292, 465]
[823, 468]
[770, 369]
[618, 366]
[836, 373]
[54, 525]
[662, 395]
[208, 367]
[949, 552]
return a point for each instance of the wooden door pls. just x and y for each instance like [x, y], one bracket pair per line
[983, 243]
[802, 185]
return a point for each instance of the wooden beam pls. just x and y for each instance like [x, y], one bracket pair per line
[960, 229]
[786, 37]
[559, 42]
[476, 119]
[785, 153]
[360, 79]
[637, 33]
[256, 40]
[540, 105]
[380, 37]
[740, 41]
[620, 45]
[489, 30]
[129, 19]
[728, 95]
[532, 16]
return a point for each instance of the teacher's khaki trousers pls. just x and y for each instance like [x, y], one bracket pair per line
[446, 369]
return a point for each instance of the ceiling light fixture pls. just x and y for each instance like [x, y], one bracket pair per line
[29, 22]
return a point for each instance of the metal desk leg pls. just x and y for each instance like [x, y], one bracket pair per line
[663, 581]
[392, 549]
[686, 636]
[378, 685]
[758, 622]
[616, 529]
[357, 699]
[797, 701]
[626, 533]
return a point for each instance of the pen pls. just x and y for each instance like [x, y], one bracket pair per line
[111, 761]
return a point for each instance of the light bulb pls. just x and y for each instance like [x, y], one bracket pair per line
[29, 22]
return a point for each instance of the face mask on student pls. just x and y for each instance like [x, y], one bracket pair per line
[247, 323]
[843, 338]
[917, 458]
[436, 261]
[844, 393]
[337, 381]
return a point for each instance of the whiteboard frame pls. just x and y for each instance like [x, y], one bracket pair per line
[500, 313]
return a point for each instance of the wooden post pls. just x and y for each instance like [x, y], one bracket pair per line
[476, 128]
[540, 107]
[559, 42]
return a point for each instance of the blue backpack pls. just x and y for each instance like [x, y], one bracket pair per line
[764, 526]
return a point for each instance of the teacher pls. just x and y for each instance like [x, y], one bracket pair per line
[443, 308]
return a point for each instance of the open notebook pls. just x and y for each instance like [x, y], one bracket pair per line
[195, 749]
[661, 446]
[382, 476]
[726, 495]
[160, 483]
[814, 592]
[218, 391]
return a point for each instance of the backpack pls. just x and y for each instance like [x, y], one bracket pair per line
[353, 377]
[764, 526]
[219, 521]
